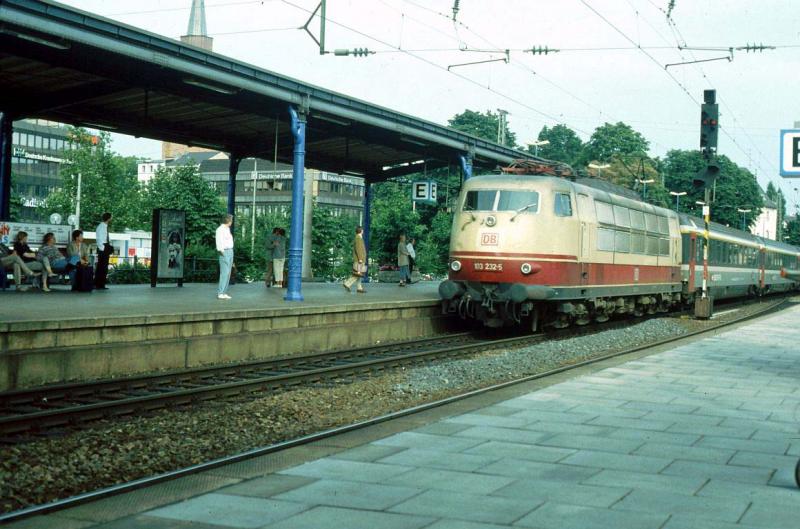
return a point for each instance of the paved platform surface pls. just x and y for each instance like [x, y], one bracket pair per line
[705, 435]
[192, 298]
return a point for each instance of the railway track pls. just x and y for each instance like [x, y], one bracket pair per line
[766, 308]
[29, 413]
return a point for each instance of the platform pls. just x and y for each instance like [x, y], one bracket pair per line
[703, 436]
[62, 335]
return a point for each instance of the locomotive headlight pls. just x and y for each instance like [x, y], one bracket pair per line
[455, 266]
[526, 268]
[491, 220]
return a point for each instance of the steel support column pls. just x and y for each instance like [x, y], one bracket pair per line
[233, 169]
[6, 124]
[466, 166]
[365, 226]
[296, 236]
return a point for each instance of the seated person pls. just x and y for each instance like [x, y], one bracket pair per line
[50, 256]
[9, 260]
[77, 254]
[29, 257]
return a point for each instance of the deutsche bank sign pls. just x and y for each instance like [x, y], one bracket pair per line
[790, 153]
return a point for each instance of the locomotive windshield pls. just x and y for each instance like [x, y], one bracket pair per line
[502, 200]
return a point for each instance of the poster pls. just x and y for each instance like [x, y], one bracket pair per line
[171, 237]
[9, 230]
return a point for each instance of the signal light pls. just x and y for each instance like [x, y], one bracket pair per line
[706, 176]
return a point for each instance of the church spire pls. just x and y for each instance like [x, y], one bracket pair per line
[197, 19]
[197, 34]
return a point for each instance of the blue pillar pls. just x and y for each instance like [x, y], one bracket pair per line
[5, 165]
[296, 236]
[466, 166]
[367, 217]
[233, 169]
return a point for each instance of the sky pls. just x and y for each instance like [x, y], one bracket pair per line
[611, 66]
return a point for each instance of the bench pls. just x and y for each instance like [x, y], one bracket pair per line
[36, 232]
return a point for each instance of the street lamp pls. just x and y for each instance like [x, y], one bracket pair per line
[253, 224]
[744, 213]
[598, 167]
[644, 183]
[677, 196]
[536, 144]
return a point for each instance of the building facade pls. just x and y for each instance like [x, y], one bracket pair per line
[38, 155]
[342, 194]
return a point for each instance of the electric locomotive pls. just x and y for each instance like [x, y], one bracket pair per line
[541, 249]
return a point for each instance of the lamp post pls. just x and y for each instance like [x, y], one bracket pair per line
[744, 213]
[598, 167]
[644, 183]
[536, 144]
[253, 220]
[677, 196]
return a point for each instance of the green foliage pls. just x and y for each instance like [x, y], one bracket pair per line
[183, 188]
[392, 214]
[618, 139]
[16, 202]
[565, 145]
[331, 243]
[793, 231]
[482, 125]
[108, 183]
[434, 246]
[736, 187]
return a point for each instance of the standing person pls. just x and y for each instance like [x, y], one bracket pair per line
[359, 263]
[27, 255]
[104, 250]
[279, 256]
[402, 260]
[224, 240]
[412, 257]
[269, 277]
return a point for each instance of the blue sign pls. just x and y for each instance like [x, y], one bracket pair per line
[790, 153]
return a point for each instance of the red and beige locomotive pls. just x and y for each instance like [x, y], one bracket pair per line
[542, 249]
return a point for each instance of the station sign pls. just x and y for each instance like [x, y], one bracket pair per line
[424, 192]
[790, 153]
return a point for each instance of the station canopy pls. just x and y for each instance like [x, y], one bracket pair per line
[66, 65]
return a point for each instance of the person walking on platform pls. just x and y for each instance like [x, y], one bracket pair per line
[402, 260]
[359, 263]
[269, 277]
[412, 258]
[224, 240]
[104, 250]
[279, 256]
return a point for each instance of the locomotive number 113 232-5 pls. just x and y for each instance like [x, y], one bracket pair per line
[488, 267]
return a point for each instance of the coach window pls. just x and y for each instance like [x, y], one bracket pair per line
[563, 205]
[622, 241]
[605, 213]
[651, 222]
[480, 200]
[652, 245]
[638, 243]
[663, 226]
[663, 246]
[605, 240]
[637, 220]
[622, 216]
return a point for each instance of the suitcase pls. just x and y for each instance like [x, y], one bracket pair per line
[84, 279]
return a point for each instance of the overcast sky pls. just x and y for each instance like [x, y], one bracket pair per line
[583, 86]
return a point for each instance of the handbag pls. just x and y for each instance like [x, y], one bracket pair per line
[360, 269]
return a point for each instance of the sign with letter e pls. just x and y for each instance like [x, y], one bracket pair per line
[790, 153]
[419, 191]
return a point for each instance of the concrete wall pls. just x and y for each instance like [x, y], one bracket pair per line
[36, 353]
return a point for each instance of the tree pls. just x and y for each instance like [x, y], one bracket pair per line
[392, 214]
[776, 195]
[736, 187]
[609, 140]
[183, 188]
[331, 243]
[482, 125]
[108, 183]
[565, 145]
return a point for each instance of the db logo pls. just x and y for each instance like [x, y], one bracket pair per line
[489, 239]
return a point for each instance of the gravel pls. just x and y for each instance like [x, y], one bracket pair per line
[111, 452]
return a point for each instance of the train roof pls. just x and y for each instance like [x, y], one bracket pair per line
[715, 227]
